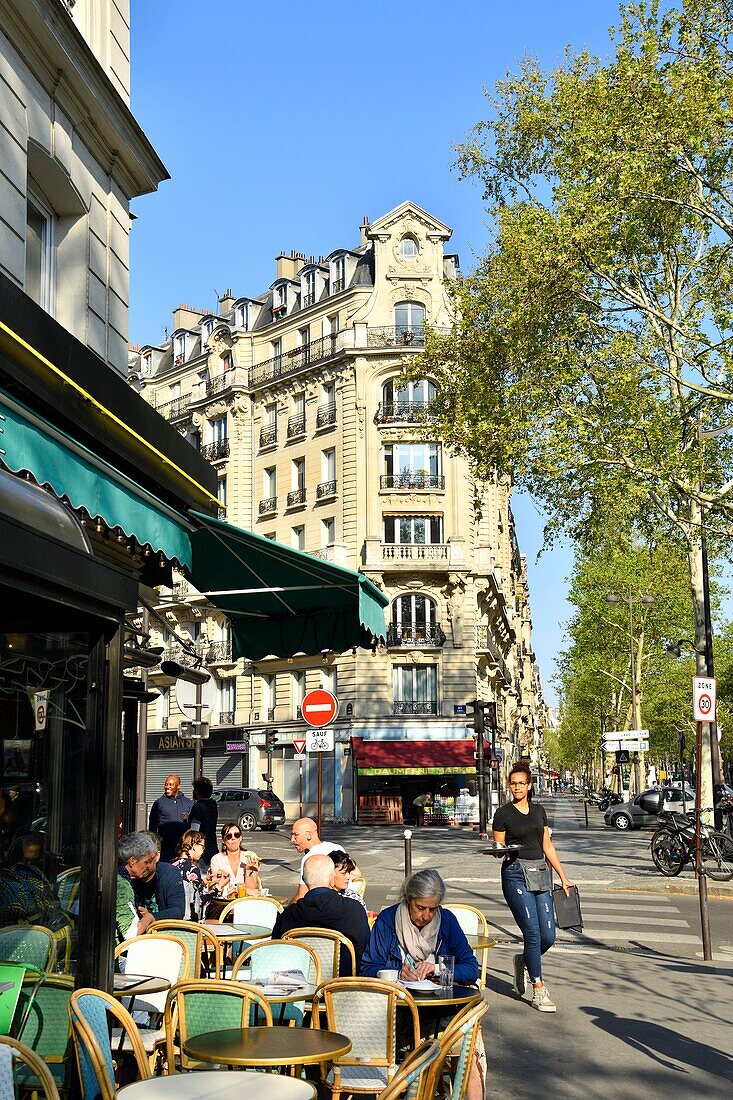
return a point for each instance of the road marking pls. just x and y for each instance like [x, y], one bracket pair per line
[620, 918]
[632, 935]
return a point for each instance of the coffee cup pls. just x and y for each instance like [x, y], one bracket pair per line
[388, 975]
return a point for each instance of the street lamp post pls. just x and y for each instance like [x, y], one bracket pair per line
[647, 601]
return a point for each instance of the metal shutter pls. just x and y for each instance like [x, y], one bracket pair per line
[162, 764]
[224, 769]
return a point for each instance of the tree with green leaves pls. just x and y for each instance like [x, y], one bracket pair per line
[592, 346]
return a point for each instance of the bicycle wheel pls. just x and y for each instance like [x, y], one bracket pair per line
[717, 856]
[668, 852]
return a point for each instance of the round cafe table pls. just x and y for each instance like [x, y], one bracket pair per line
[479, 942]
[267, 1046]
[214, 1085]
[226, 931]
[136, 985]
[434, 1006]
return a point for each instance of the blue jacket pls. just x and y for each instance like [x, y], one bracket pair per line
[383, 952]
[164, 894]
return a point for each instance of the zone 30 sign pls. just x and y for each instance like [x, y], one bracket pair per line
[703, 698]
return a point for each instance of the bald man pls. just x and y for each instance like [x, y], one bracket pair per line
[324, 907]
[169, 817]
[304, 837]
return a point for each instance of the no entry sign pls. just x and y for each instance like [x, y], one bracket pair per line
[703, 698]
[319, 708]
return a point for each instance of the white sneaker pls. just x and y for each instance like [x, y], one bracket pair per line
[541, 1000]
[519, 975]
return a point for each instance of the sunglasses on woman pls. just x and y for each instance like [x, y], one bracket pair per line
[232, 836]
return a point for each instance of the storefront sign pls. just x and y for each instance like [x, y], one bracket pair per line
[459, 708]
[417, 771]
[237, 746]
[172, 743]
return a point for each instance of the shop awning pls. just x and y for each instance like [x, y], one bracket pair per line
[71, 471]
[280, 601]
[415, 757]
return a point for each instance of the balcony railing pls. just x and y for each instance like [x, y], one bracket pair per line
[337, 285]
[279, 366]
[416, 636]
[171, 410]
[402, 412]
[412, 480]
[216, 450]
[297, 496]
[415, 706]
[308, 300]
[235, 376]
[415, 551]
[486, 642]
[268, 505]
[399, 336]
[268, 435]
[325, 489]
[326, 415]
[208, 652]
[296, 426]
[226, 717]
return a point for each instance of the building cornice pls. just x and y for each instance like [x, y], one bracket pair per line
[56, 53]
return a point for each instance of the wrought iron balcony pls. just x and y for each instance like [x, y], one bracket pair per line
[400, 336]
[326, 415]
[296, 426]
[235, 376]
[415, 706]
[416, 635]
[226, 717]
[268, 505]
[308, 300]
[402, 412]
[337, 285]
[208, 652]
[268, 435]
[412, 479]
[415, 551]
[325, 489]
[219, 449]
[279, 366]
[297, 496]
[172, 410]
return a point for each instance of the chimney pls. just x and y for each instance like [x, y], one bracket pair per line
[288, 266]
[364, 230]
[226, 301]
[186, 316]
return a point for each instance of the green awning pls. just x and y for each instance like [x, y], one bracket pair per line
[28, 442]
[280, 601]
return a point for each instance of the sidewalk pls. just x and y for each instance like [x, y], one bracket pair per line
[626, 1025]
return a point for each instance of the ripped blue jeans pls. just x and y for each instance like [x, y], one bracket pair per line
[534, 913]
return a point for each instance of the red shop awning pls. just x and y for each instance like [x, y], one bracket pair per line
[416, 757]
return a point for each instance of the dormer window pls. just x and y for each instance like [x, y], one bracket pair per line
[179, 348]
[309, 288]
[408, 248]
[241, 315]
[147, 363]
[338, 282]
[207, 327]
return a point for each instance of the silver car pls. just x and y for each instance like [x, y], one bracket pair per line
[629, 815]
[250, 807]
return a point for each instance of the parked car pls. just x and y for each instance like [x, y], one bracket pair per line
[629, 815]
[250, 807]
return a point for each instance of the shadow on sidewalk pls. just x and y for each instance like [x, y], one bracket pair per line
[663, 1045]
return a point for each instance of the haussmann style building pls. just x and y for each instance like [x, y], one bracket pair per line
[295, 396]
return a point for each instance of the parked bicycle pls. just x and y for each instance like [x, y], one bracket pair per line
[673, 846]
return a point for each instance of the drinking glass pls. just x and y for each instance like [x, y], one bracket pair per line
[446, 970]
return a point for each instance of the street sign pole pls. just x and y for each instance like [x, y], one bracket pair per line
[300, 788]
[702, 882]
[319, 808]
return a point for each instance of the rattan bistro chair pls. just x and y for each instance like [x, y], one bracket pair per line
[365, 1009]
[200, 941]
[46, 1028]
[411, 1079]
[30, 945]
[89, 1010]
[264, 959]
[34, 1065]
[262, 911]
[473, 923]
[328, 945]
[458, 1041]
[205, 1004]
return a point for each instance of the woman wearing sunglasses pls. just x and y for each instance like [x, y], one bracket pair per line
[526, 882]
[232, 867]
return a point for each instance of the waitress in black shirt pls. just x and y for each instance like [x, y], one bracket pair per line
[525, 881]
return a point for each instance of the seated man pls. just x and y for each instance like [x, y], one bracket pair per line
[160, 889]
[323, 907]
[137, 856]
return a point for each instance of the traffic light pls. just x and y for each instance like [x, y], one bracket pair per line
[490, 710]
[271, 739]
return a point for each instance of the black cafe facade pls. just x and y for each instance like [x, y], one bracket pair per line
[95, 490]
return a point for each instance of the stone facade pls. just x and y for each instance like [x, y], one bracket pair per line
[295, 395]
[72, 156]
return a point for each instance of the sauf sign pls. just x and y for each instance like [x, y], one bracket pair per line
[319, 708]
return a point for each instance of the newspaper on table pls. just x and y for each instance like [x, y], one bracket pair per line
[282, 982]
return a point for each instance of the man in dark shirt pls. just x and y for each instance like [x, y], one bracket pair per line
[323, 907]
[160, 890]
[205, 814]
[169, 817]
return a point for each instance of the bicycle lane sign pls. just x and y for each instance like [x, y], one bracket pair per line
[703, 698]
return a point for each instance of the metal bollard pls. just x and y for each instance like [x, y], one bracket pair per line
[408, 852]
[585, 807]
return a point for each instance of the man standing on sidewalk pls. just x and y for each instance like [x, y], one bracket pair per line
[304, 837]
[169, 817]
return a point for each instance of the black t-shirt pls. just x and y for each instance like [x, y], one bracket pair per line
[206, 812]
[525, 829]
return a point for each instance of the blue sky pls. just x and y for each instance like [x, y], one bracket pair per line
[283, 124]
